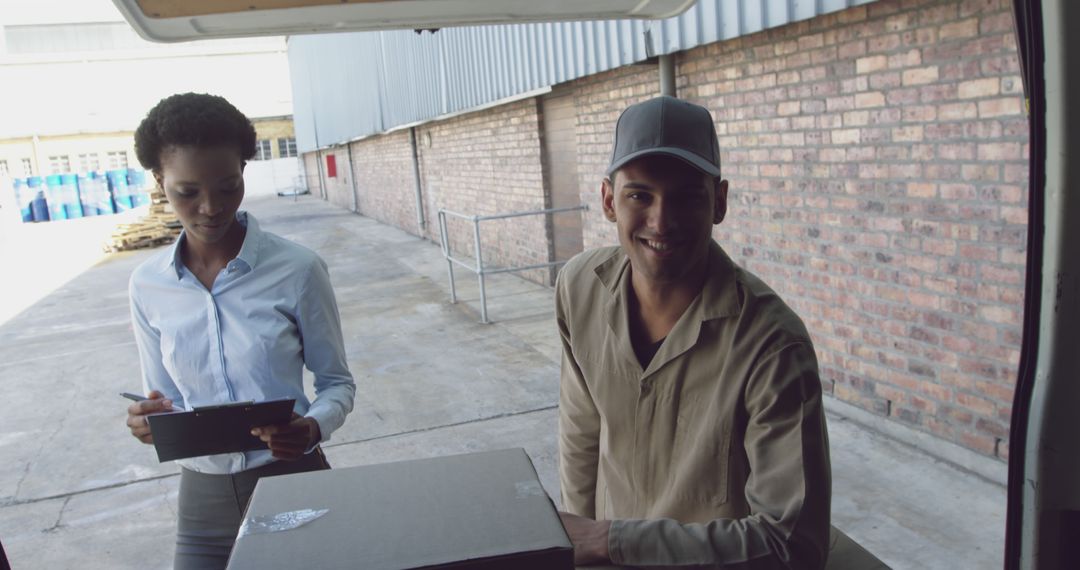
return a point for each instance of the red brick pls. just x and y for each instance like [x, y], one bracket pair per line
[984, 444]
[870, 99]
[852, 49]
[921, 76]
[973, 7]
[909, 58]
[845, 136]
[908, 134]
[976, 404]
[921, 189]
[871, 64]
[788, 108]
[851, 15]
[977, 88]
[919, 114]
[956, 30]
[956, 415]
[1002, 107]
[1007, 275]
[981, 172]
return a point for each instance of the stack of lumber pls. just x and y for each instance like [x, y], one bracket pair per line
[159, 227]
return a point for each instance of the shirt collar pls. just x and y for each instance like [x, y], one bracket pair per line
[249, 251]
[719, 298]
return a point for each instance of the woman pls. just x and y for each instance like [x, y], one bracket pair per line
[229, 313]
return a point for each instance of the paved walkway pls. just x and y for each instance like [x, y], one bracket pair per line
[76, 491]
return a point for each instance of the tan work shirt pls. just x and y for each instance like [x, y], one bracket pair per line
[714, 455]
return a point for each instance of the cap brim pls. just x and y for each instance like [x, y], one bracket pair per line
[686, 156]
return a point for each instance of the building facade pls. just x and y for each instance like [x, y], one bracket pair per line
[77, 82]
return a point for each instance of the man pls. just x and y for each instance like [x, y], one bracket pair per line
[691, 422]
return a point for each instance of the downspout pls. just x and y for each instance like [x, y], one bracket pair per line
[416, 178]
[667, 75]
[352, 176]
[322, 186]
[36, 163]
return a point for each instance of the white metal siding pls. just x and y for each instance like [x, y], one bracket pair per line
[352, 85]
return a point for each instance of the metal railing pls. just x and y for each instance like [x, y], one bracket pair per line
[479, 268]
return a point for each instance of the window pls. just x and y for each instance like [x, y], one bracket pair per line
[3, 168]
[262, 150]
[286, 147]
[59, 164]
[27, 167]
[89, 162]
[117, 159]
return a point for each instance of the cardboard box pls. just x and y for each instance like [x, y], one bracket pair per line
[475, 511]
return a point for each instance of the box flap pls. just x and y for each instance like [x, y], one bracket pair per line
[409, 514]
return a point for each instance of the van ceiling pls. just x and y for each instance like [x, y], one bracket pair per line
[183, 20]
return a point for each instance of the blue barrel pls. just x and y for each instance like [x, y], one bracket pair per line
[118, 186]
[24, 198]
[86, 194]
[39, 206]
[69, 188]
[102, 198]
[140, 194]
[54, 195]
[97, 194]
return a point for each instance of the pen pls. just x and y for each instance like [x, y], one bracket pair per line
[138, 398]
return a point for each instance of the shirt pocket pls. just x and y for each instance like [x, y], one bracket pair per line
[701, 456]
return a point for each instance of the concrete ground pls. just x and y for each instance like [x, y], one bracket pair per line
[77, 491]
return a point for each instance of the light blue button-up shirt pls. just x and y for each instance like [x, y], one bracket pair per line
[270, 312]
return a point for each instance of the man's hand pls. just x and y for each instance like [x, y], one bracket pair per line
[590, 539]
[137, 412]
[290, 441]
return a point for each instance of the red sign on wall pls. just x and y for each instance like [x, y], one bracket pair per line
[331, 166]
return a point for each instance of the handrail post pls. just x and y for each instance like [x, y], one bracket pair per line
[480, 270]
[444, 236]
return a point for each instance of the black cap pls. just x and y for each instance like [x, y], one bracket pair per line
[670, 126]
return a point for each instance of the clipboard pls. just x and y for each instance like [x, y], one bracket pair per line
[210, 430]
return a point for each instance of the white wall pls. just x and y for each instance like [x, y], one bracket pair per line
[268, 177]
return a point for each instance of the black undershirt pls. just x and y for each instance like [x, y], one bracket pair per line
[646, 353]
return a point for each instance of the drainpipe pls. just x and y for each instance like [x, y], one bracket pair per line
[322, 184]
[36, 162]
[667, 75]
[416, 178]
[352, 176]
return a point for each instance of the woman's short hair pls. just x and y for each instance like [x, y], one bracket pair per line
[192, 119]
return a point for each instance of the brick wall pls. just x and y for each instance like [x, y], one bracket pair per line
[878, 166]
[483, 163]
[339, 189]
[600, 99]
[311, 172]
[383, 167]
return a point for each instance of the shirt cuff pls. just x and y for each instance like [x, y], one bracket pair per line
[322, 433]
[618, 542]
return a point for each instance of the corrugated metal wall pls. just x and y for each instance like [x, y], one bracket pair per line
[352, 85]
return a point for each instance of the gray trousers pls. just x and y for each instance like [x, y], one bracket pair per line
[211, 508]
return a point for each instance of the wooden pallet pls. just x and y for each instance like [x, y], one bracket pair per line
[159, 227]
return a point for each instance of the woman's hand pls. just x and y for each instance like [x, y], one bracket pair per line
[137, 412]
[289, 441]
